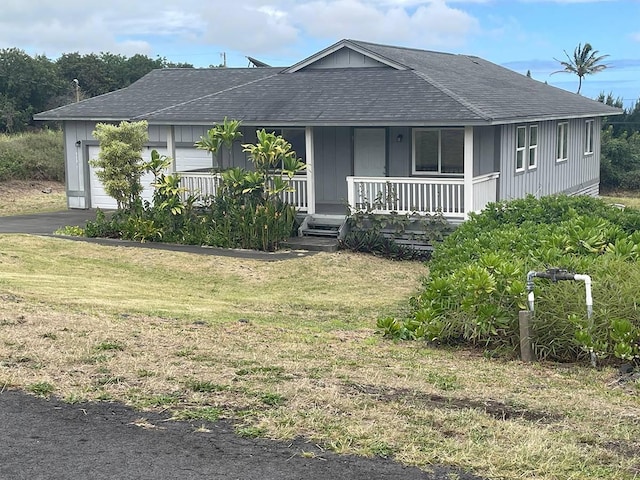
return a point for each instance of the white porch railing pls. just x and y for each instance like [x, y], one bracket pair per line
[484, 190]
[206, 184]
[419, 194]
[298, 196]
[199, 184]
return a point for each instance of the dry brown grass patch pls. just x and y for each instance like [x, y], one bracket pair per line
[21, 197]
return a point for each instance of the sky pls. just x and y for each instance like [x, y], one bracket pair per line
[518, 34]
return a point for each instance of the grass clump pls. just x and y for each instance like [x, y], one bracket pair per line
[477, 281]
[41, 389]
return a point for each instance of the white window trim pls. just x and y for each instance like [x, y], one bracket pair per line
[562, 138]
[534, 148]
[522, 150]
[588, 141]
[413, 153]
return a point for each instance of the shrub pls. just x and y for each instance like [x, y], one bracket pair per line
[477, 280]
[630, 180]
[247, 211]
[396, 236]
[32, 156]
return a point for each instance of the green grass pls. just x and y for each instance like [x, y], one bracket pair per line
[163, 331]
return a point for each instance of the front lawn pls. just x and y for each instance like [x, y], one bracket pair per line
[289, 349]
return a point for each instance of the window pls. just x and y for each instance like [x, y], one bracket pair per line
[588, 137]
[526, 147]
[521, 145]
[296, 137]
[438, 150]
[561, 145]
[533, 146]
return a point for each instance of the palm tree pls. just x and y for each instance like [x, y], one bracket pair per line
[585, 61]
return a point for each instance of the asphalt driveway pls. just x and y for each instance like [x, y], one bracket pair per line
[45, 223]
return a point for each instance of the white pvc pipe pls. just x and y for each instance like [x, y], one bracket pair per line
[587, 286]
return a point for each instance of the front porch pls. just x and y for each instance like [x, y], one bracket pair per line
[451, 196]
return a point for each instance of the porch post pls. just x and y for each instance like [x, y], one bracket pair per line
[468, 171]
[171, 147]
[311, 176]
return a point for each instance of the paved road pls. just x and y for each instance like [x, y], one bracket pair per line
[48, 439]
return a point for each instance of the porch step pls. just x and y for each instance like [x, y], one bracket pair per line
[311, 244]
[330, 226]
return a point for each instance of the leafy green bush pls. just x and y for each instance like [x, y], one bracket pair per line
[620, 155]
[630, 180]
[395, 236]
[247, 211]
[477, 279]
[32, 156]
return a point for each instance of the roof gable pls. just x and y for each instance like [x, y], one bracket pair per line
[345, 54]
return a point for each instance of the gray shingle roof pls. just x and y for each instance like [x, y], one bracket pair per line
[157, 90]
[497, 92]
[437, 88]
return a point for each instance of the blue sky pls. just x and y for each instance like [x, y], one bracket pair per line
[519, 34]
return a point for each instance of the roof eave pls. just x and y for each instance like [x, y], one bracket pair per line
[40, 118]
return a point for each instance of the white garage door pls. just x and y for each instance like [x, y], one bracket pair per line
[100, 199]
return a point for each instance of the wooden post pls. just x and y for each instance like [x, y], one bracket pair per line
[526, 352]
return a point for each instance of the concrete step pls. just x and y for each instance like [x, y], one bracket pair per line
[312, 244]
[320, 232]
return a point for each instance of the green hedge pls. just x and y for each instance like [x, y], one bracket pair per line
[32, 156]
[477, 281]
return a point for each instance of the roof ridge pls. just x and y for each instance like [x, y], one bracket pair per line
[154, 112]
[453, 95]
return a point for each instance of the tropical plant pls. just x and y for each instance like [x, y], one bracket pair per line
[585, 61]
[220, 135]
[119, 164]
[273, 159]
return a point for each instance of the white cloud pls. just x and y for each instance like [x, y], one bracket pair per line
[430, 24]
[250, 26]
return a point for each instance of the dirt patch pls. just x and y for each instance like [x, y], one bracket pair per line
[19, 197]
[13, 189]
[493, 408]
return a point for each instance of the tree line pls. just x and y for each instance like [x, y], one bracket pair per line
[32, 84]
[620, 147]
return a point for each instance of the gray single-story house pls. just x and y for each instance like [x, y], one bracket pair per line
[425, 131]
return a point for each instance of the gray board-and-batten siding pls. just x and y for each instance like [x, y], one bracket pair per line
[578, 174]
[494, 150]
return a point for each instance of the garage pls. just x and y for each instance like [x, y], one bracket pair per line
[100, 198]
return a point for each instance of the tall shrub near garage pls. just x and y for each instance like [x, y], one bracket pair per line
[119, 164]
